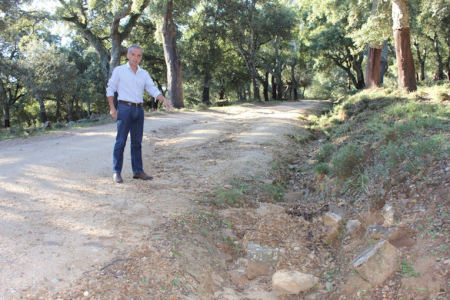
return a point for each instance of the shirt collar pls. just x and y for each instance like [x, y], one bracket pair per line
[138, 69]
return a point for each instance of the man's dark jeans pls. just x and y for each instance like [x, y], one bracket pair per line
[129, 119]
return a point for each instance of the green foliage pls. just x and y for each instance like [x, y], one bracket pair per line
[346, 161]
[274, 191]
[325, 153]
[300, 138]
[321, 168]
[407, 270]
[381, 133]
[234, 196]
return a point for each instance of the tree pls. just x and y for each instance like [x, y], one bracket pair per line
[332, 27]
[251, 24]
[49, 74]
[14, 25]
[173, 61]
[405, 63]
[431, 19]
[105, 25]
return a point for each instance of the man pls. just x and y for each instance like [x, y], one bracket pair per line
[129, 81]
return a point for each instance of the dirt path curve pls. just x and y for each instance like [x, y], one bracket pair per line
[61, 215]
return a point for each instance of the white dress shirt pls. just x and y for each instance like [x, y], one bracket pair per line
[129, 85]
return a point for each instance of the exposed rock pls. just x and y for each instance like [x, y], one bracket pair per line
[332, 222]
[289, 282]
[260, 253]
[352, 226]
[379, 232]
[261, 260]
[258, 268]
[293, 196]
[332, 219]
[388, 215]
[377, 263]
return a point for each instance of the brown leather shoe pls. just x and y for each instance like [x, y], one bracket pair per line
[117, 178]
[142, 176]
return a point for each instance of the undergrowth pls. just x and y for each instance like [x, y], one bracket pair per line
[376, 133]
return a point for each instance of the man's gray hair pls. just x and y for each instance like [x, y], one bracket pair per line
[135, 47]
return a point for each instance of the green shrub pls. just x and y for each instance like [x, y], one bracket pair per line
[274, 191]
[346, 160]
[228, 197]
[325, 153]
[321, 168]
[393, 154]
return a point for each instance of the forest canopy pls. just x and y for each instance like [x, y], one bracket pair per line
[57, 55]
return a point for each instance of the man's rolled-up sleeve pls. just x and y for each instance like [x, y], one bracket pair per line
[113, 83]
[151, 88]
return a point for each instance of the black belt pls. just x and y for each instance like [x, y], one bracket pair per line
[130, 103]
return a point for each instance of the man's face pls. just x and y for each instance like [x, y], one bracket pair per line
[134, 57]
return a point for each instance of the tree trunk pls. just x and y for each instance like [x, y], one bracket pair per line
[439, 74]
[254, 76]
[6, 116]
[116, 54]
[173, 62]
[357, 67]
[294, 81]
[274, 88]
[266, 87]
[5, 106]
[405, 63]
[421, 58]
[279, 88]
[373, 67]
[206, 84]
[42, 110]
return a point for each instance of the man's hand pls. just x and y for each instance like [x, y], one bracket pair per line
[165, 101]
[113, 113]
[112, 108]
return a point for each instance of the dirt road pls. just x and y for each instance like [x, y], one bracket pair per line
[61, 215]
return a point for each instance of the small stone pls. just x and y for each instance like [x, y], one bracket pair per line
[86, 293]
[377, 263]
[289, 282]
[332, 219]
[258, 268]
[352, 226]
[293, 196]
[388, 215]
[378, 232]
[261, 260]
[260, 253]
